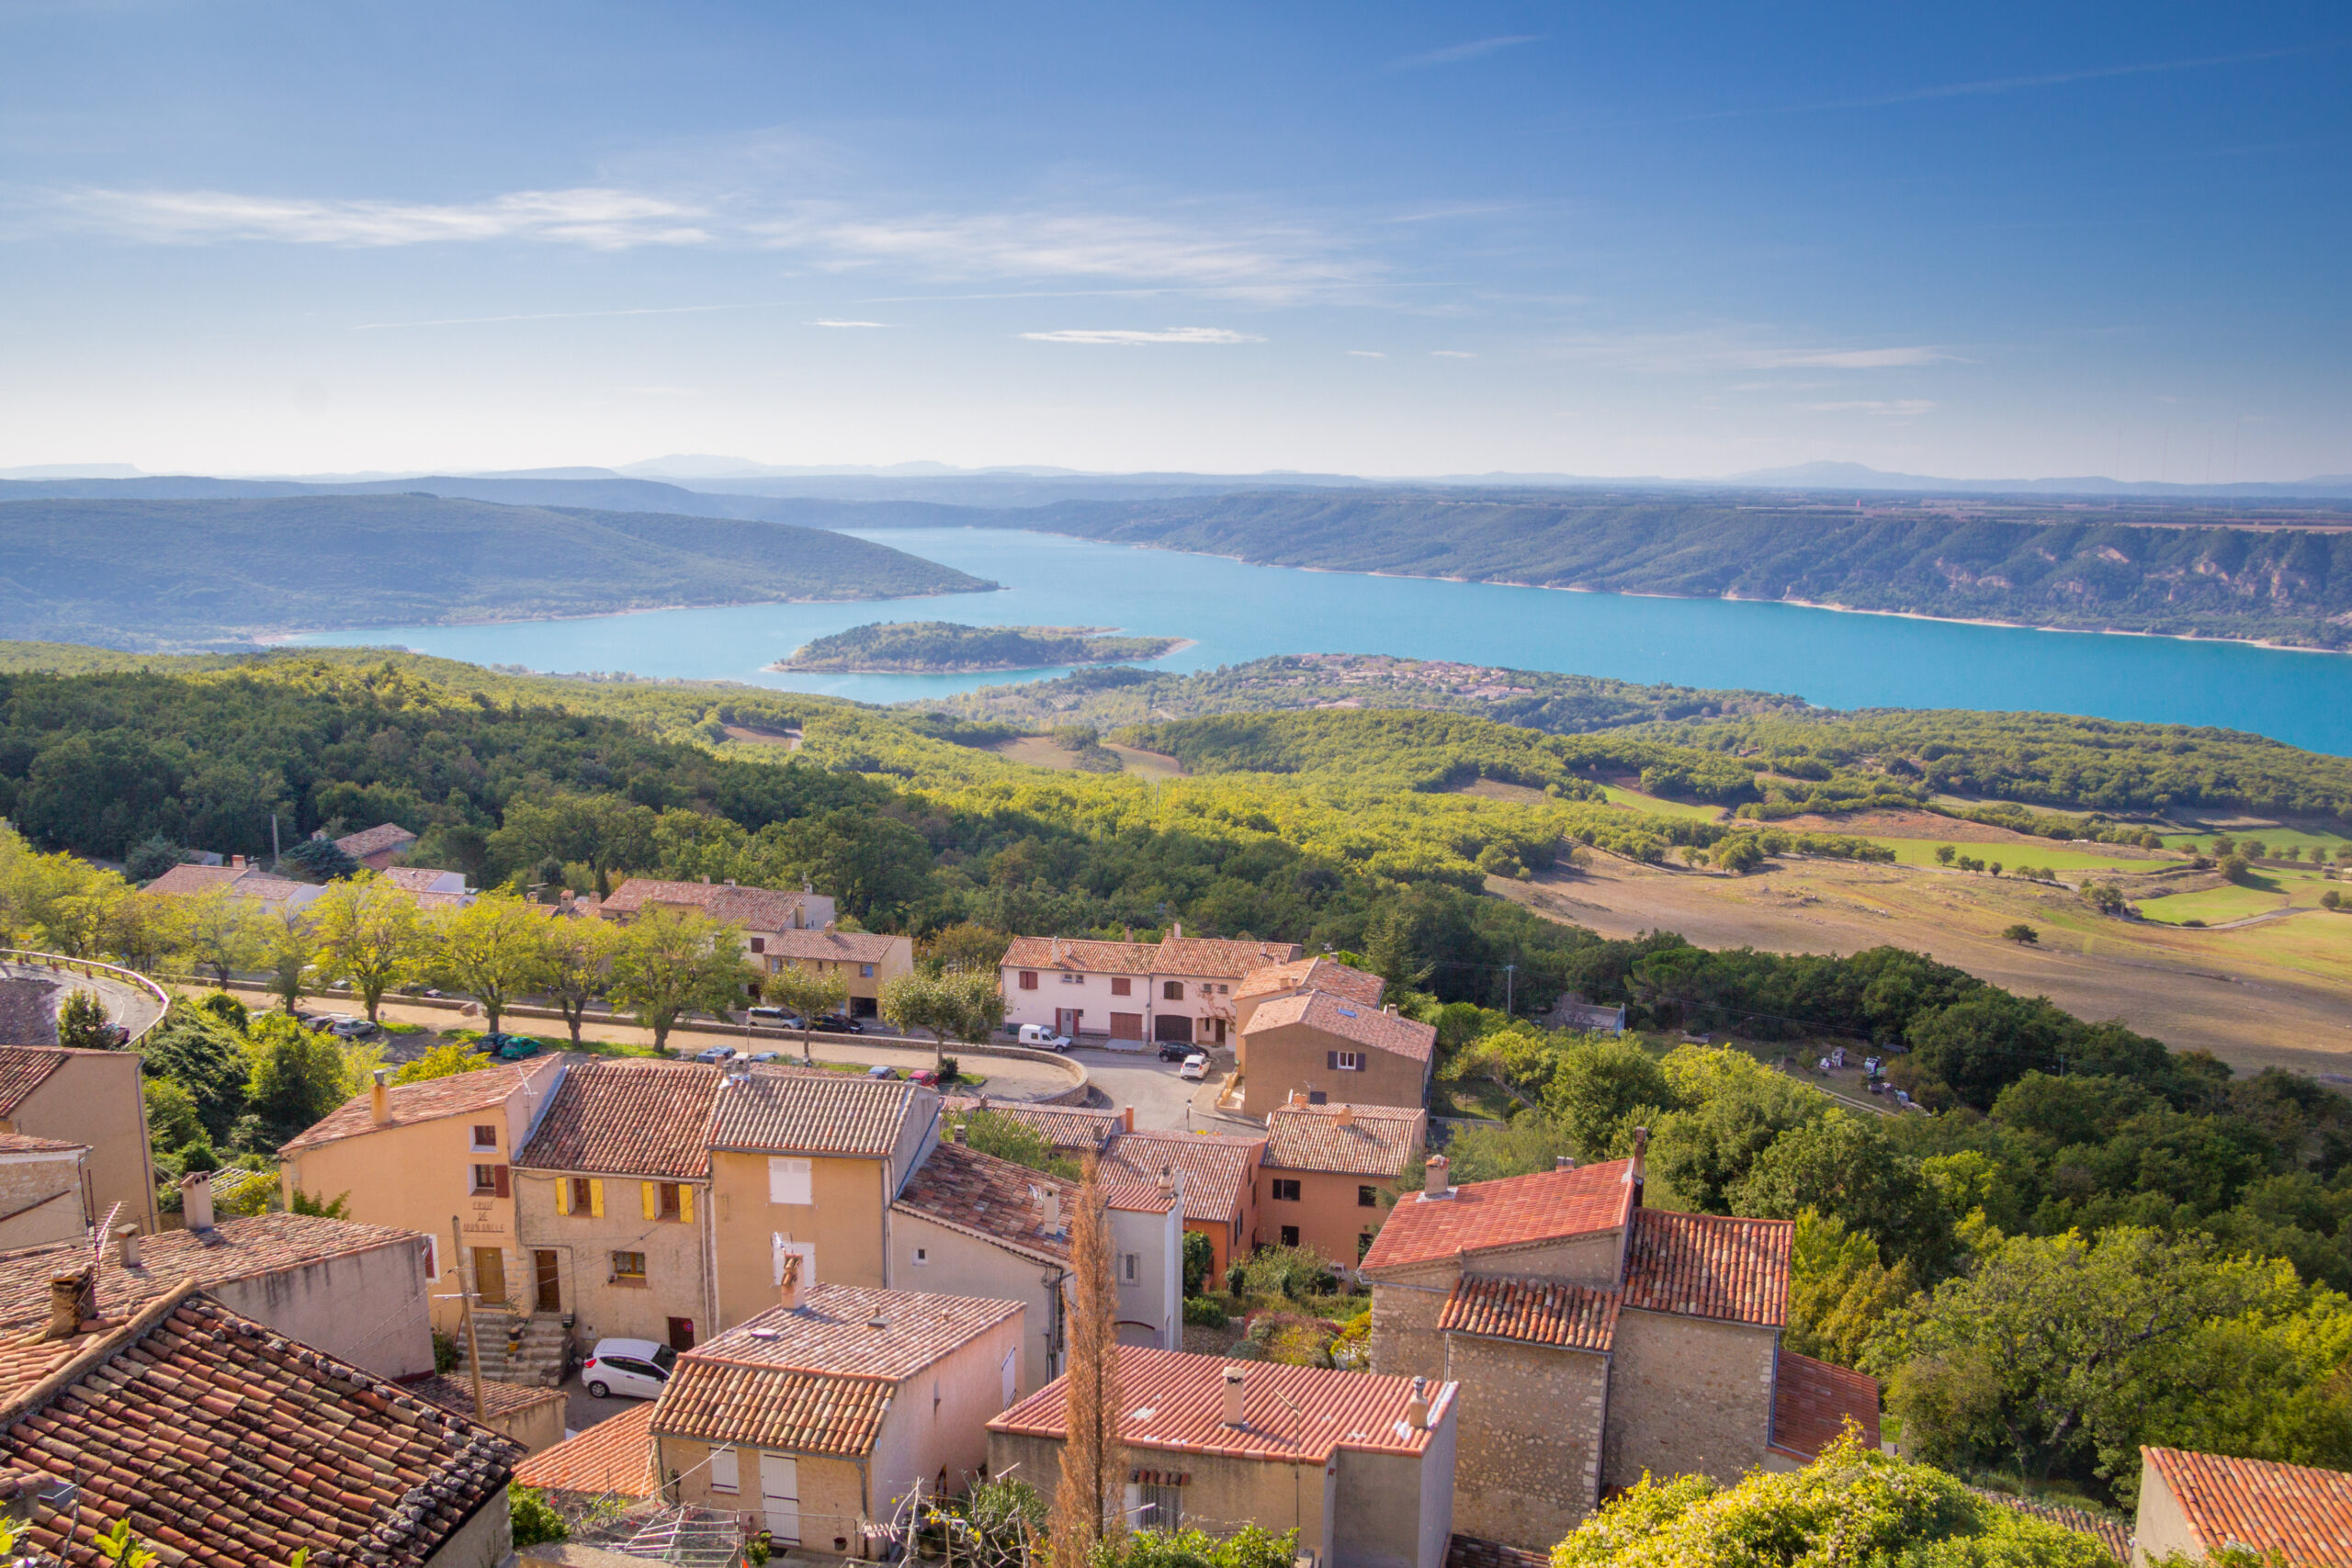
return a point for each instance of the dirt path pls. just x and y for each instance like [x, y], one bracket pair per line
[2195, 990]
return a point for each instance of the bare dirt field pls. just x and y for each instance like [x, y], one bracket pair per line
[1045, 751]
[2277, 994]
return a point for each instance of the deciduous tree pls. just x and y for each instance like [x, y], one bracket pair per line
[370, 934]
[492, 950]
[806, 994]
[670, 963]
[576, 966]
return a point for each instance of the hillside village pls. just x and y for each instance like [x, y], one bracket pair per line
[840, 1302]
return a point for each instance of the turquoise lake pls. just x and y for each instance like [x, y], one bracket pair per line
[1235, 612]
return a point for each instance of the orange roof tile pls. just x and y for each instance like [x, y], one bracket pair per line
[832, 1330]
[498, 1399]
[1516, 1211]
[628, 1118]
[771, 1408]
[785, 1111]
[242, 1248]
[187, 880]
[1811, 1400]
[1315, 974]
[428, 1101]
[24, 1068]
[1350, 1140]
[614, 1458]
[763, 909]
[2300, 1512]
[1079, 955]
[1217, 959]
[1371, 1027]
[374, 840]
[1218, 1171]
[1538, 1312]
[1709, 1266]
[19, 1144]
[988, 1197]
[1174, 1402]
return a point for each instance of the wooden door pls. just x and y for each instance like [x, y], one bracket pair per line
[780, 1495]
[1127, 1026]
[544, 1268]
[490, 1276]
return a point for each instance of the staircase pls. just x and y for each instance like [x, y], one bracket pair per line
[519, 1350]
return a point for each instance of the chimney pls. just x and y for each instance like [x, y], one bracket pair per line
[1297, 1098]
[237, 862]
[1167, 1183]
[1390, 1009]
[1633, 1167]
[1233, 1392]
[1345, 1116]
[73, 1301]
[877, 1323]
[1052, 1224]
[196, 1199]
[730, 882]
[1434, 1178]
[956, 1132]
[129, 1236]
[379, 1098]
[1176, 932]
[1417, 1408]
[1563, 1162]
[1127, 1118]
[787, 1295]
[706, 879]
[829, 925]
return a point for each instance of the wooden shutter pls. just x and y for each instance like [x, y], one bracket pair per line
[500, 1182]
[563, 1194]
[651, 1192]
[686, 1204]
[1332, 1060]
[595, 1197]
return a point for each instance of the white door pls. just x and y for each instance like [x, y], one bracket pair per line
[780, 1495]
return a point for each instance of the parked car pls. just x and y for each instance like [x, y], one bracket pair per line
[634, 1368]
[326, 1022]
[353, 1027]
[715, 1054]
[1044, 1039]
[839, 1023]
[510, 1047]
[881, 1070]
[767, 1056]
[1176, 1051]
[925, 1076]
[1196, 1066]
[775, 1018]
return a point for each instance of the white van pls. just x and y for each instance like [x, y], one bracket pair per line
[1044, 1039]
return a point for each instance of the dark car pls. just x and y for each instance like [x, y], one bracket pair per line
[1175, 1050]
[839, 1023]
[510, 1047]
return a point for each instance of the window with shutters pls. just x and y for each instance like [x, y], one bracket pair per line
[1028, 979]
[1348, 1061]
[1131, 1267]
[1171, 991]
[1121, 986]
[1290, 1235]
[668, 1201]
[628, 1267]
[1160, 1507]
[789, 1180]
[724, 1476]
[581, 1192]
[485, 1179]
[485, 1135]
[1285, 1191]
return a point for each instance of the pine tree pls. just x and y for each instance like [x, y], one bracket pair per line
[1088, 1505]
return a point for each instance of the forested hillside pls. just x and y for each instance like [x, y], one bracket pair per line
[949, 647]
[2280, 582]
[163, 574]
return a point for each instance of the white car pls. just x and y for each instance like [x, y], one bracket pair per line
[1195, 1066]
[633, 1368]
[1043, 1038]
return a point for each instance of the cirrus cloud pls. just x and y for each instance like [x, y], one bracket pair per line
[1129, 338]
[598, 217]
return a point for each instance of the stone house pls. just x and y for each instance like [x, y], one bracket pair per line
[1220, 1183]
[424, 882]
[410, 1155]
[93, 1098]
[44, 1191]
[764, 912]
[2196, 1505]
[971, 1224]
[1357, 986]
[1333, 1050]
[817, 1417]
[1362, 1466]
[613, 1205]
[1326, 1170]
[376, 848]
[1594, 1339]
[862, 961]
[1130, 993]
[282, 894]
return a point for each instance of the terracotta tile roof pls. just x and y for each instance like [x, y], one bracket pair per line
[19, 1144]
[24, 1362]
[186, 881]
[428, 1101]
[832, 1331]
[1351, 1022]
[223, 1440]
[239, 1249]
[2111, 1533]
[1538, 1312]
[1518, 1210]
[416, 878]
[1811, 1400]
[1219, 960]
[24, 1068]
[374, 840]
[1174, 1402]
[1218, 1171]
[1067, 1127]
[1469, 1551]
[628, 1118]
[2301, 1513]
[1351, 1140]
[1709, 1266]
[841, 947]
[498, 1399]
[1080, 956]
[1315, 974]
[614, 1458]
[767, 1407]
[985, 1196]
[821, 1113]
[764, 909]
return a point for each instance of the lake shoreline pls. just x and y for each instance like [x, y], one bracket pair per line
[1176, 644]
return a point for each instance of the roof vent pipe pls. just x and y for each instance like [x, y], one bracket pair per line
[1433, 1178]
[1417, 1408]
[1052, 1224]
[379, 1098]
[1233, 1391]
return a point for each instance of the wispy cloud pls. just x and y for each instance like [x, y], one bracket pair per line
[1130, 338]
[1696, 352]
[566, 315]
[591, 216]
[1902, 408]
[827, 324]
[1455, 54]
[1451, 354]
[1367, 353]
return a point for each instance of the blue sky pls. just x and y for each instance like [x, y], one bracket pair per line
[1985, 242]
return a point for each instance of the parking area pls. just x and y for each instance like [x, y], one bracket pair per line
[1162, 1101]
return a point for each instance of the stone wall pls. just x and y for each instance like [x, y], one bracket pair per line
[1406, 1305]
[1531, 1438]
[1687, 1396]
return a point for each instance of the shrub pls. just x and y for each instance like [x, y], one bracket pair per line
[949, 1069]
[83, 1024]
[535, 1523]
[1206, 1312]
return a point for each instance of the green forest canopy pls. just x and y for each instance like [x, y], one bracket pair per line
[950, 646]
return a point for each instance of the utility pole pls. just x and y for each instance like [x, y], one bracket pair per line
[1510, 974]
[273, 842]
[466, 1312]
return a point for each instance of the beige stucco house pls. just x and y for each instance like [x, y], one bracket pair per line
[816, 1417]
[44, 1191]
[415, 1156]
[863, 962]
[1326, 1170]
[1362, 1466]
[93, 1098]
[1129, 993]
[1332, 1049]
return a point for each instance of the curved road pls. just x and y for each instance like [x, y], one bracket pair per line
[126, 1004]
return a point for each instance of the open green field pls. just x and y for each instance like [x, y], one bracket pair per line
[2057, 857]
[2265, 891]
[1657, 805]
[2273, 839]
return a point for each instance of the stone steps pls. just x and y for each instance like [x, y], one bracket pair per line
[517, 1350]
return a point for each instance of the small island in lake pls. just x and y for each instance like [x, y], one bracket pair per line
[945, 647]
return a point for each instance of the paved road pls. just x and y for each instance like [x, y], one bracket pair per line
[1161, 1099]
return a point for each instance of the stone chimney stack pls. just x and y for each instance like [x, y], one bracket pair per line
[1235, 1388]
[379, 1098]
[1417, 1408]
[956, 1132]
[196, 1199]
[128, 1236]
[1345, 1116]
[73, 1301]
[1563, 1162]
[787, 1295]
[1434, 1178]
[1127, 1118]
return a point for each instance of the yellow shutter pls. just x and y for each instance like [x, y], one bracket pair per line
[595, 1197]
[563, 1194]
[686, 1204]
[653, 1196]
